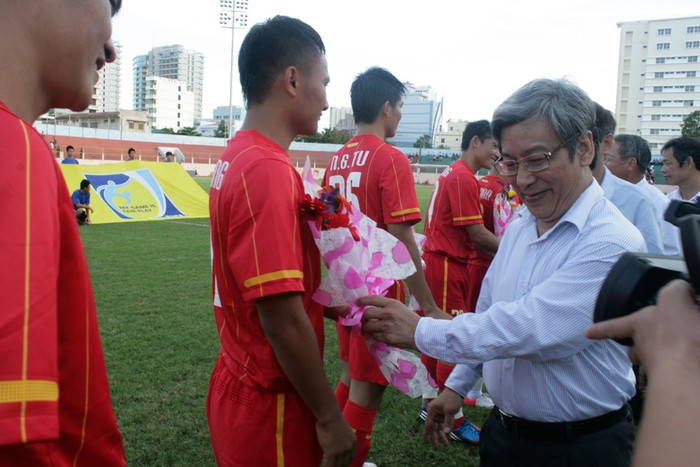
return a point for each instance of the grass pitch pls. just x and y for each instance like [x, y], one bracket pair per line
[153, 293]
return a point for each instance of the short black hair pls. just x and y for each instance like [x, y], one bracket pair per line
[604, 125]
[683, 148]
[130, 149]
[84, 184]
[480, 128]
[116, 5]
[69, 147]
[370, 90]
[269, 48]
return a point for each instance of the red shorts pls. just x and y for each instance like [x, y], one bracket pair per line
[354, 349]
[476, 273]
[448, 282]
[251, 427]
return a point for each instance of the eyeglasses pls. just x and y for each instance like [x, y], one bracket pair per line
[534, 163]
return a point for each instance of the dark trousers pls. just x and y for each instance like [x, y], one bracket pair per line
[610, 447]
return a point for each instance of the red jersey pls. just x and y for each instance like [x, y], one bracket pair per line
[55, 406]
[498, 205]
[260, 247]
[377, 178]
[453, 204]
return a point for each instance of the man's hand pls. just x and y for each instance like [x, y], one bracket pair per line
[438, 425]
[662, 333]
[337, 441]
[388, 320]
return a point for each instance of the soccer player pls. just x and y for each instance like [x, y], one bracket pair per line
[455, 229]
[269, 401]
[376, 178]
[70, 157]
[55, 406]
[81, 203]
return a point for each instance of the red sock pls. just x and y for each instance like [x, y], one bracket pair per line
[458, 421]
[361, 419]
[443, 372]
[342, 392]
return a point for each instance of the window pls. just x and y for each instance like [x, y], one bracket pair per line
[693, 29]
[660, 60]
[664, 32]
[665, 45]
[690, 89]
[692, 45]
[654, 131]
[690, 74]
[687, 103]
[656, 103]
[693, 59]
[659, 74]
[656, 117]
[658, 88]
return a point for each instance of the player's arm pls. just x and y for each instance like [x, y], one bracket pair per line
[416, 282]
[293, 340]
[482, 238]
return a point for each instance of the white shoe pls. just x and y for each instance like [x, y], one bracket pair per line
[484, 401]
[369, 464]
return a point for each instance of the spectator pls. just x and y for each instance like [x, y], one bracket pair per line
[629, 159]
[131, 154]
[70, 156]
[680, 158]
[55, 407]
[558, 395]
[81, 203]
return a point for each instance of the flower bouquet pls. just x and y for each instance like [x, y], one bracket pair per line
[362, 260]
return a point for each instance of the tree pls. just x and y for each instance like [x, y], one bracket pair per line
[328, 136]
[188, 131]
[691, 125]
[424, 141]
[168, 131]
[222, 130]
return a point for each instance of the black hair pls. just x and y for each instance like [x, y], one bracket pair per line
[269, 48]
[370, 90]
[604, 125]
[480, 128]
[69, 147]
[683, 148]
[84, 184]
[130, 149]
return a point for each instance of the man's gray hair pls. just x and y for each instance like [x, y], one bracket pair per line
[562, 104]
[634, 146]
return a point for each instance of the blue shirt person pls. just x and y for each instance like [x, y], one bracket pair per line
[81, 203]
[69, 159]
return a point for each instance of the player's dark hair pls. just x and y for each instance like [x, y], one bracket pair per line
[69, 147]
[370, 90]
[269, 48]
[84, 184]
[480, 128]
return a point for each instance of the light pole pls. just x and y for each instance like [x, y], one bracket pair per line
[232, 15]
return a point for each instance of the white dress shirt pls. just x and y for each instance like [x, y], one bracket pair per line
[669, 232]
[536, 300]
[633, 204]
[676, 195]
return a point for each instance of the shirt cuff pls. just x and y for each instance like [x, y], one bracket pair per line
[430, 337]
[462, 379]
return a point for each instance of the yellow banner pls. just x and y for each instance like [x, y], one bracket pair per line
[139, 191]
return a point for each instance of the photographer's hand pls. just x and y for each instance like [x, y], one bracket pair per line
[667, 342]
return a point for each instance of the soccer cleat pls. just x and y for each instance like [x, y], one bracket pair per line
[466, 432]
[423, 414]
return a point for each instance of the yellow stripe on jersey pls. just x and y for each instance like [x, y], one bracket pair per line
[444, 284]
[279, 435]
[28, 391]
[352, 145]
[27, 275]
[404, 212]
[273, 276]
[465, 218]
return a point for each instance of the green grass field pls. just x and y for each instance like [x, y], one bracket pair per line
[152, 287]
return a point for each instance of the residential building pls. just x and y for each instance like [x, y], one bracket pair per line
[422, 115]
[658, 77]
[123, 120]
[174, 62]
[341, 119]
[451, 136]
[169, 103]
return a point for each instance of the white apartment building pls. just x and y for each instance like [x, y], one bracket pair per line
[169, 103]
[422, 115]
[108, 88]
[658, 77]
[341, 118]
[174, 62]
[451, 136]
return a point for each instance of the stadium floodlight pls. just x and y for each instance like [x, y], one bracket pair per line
[232, 15]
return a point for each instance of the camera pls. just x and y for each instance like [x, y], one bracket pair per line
[636, 278]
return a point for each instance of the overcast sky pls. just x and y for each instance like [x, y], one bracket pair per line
[474, 54]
